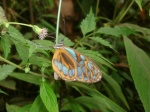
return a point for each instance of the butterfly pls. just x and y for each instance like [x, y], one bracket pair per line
[71, 65]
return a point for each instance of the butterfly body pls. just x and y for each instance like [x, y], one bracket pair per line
[71, 65]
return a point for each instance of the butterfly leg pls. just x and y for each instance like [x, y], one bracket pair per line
[56, 77]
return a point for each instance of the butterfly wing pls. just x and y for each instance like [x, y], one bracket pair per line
[71, 65]
[64, 66]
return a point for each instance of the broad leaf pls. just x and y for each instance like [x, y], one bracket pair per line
[140, 70]
[25, 108]
[12, 108]
[48, 97]
[38, 106]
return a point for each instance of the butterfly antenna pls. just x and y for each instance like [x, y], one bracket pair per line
[64, 26]
[64, 29]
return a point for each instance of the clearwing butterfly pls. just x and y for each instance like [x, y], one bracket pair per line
[71, 65]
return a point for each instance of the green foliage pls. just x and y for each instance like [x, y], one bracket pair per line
[12, 108]
[26, 77]
[48, 97]
[38, 105]
[9, 84]
[5, 70]
[101, 102]
[88, 24]
[26, 108]
[6, 45]
[139, 66]
[139, 2]
[102, 41]
[117, 31]
[25, 61]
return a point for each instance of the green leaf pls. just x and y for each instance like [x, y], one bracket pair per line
[20, 42]
[6, 45]
[48, 97]
[3, 92]
[117, 89]
[12, 108]
[23, 52]
[91, 103]
[16, 36]
[102, 41]
[36, 47]
[27, 77]
[47, 24]
[66, 41]
[5, 70]
[139, 2]
[39, 61]
[44, 43]
[140, 70]
[117, 31]
[9, 84]
[38, 106]
[96, 57]
[71, 105]
[2, 16]
[101, 99]
[25, 108]
[145, 32]
[88, 24]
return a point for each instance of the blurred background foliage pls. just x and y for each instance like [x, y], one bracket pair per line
[113, 33]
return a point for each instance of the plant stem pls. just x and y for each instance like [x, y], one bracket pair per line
[58, 19]
[123, 12]
[19, 67]
[97, 8]
[20, 24]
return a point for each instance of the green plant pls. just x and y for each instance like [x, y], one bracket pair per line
[29, 60]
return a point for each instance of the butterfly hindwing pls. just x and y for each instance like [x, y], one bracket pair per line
[63, 65]
[71, 65]
[87, 70]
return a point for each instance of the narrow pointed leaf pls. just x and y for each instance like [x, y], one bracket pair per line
[6, 45]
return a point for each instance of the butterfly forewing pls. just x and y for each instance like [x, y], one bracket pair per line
[71, 65]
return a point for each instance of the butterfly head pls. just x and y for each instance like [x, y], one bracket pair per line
[59, 45]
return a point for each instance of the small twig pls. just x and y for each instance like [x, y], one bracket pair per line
[19, 67]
